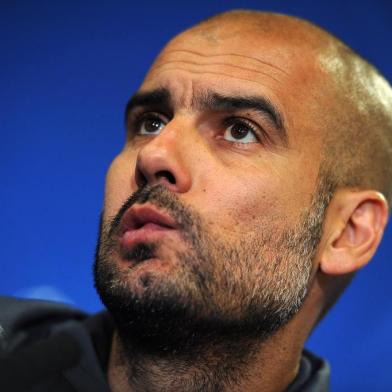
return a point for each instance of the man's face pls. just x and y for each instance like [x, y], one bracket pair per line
[222, 149]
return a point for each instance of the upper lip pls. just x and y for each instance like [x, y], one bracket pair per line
[138, 216]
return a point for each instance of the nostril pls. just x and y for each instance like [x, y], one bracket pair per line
[166, 174]
[141, 179]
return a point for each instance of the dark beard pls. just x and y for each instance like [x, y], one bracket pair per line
[205, 307]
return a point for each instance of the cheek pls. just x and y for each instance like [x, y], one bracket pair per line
[118, 185]
[238, 204]
[255, 198]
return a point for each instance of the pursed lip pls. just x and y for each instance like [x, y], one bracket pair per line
[144, 223]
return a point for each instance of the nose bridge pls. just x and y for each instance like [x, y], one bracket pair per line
[169, 138]
[165, 158]
[171, 144]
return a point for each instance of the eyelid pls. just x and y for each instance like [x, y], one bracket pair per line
[140, 114]
[152, 114]
[258, 131]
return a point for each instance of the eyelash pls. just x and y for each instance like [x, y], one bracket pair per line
[256, 130]
[136, 120]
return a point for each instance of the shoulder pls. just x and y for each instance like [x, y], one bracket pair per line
[50, 346]
[23, 320]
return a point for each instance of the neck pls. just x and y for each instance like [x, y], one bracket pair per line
[238, 366]
[263, 366]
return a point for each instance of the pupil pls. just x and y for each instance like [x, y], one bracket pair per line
[152, 125]
[238, 131]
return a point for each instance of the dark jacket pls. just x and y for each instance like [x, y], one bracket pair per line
[46, 346]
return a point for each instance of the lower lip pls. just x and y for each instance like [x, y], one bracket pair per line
[148, 233]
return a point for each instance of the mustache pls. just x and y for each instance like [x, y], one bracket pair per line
[161, 197]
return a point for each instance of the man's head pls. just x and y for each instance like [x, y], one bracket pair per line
[246, 128]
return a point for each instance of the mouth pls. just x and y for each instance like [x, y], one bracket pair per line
[144, 223]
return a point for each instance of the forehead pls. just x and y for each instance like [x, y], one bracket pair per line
[287, 73]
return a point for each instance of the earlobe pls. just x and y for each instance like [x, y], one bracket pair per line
[355, 225]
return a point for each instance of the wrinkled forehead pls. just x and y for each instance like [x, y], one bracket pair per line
[284, 43]
[285, 72]
[270, 55]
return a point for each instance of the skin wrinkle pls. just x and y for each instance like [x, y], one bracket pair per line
[251, 79]
[212, 64]
[254, 250]
[268, 169]
[211, 73]
[210, 101]
[230, 54]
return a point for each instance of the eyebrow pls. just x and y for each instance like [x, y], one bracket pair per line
[209, 100]
[159, 98]
[262, 105]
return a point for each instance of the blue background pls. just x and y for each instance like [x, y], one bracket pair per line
[66, 72]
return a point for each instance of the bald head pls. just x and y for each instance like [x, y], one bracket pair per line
[350, 100]
[245, 129]
[358, 141]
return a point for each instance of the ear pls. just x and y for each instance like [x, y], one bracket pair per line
[353, 229]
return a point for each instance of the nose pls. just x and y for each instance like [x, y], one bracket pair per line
[162, 160]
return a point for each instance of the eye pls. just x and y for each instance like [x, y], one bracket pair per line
[149, 124]
[240, 131]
